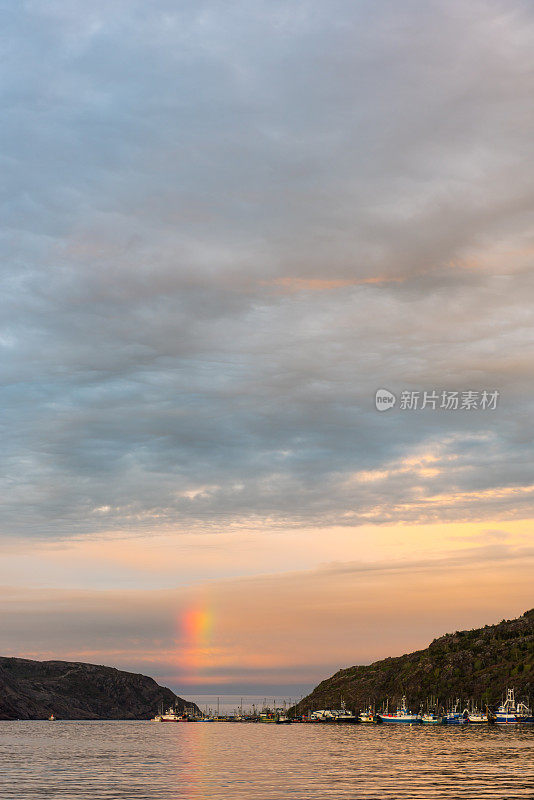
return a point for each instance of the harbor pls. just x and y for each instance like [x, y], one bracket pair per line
[456, 713]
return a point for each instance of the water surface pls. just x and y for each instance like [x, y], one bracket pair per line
[151, 761]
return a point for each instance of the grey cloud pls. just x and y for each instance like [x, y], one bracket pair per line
[170, 177]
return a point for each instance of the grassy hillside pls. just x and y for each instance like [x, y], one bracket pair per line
[476, 664]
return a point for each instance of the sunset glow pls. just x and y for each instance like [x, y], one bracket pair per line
[227, 228]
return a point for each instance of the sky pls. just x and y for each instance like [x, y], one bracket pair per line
[226, 225]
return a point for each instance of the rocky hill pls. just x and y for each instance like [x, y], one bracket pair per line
[478, 664]
[72, 690]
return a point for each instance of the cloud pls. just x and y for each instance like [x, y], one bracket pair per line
[226, 226]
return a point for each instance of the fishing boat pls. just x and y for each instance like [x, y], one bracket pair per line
[367, 716]
[344, 717]
[401, 716]
[171, 715]
[477, 717]
[506, 714]
[432, 719]
[282, 719]
[524, 713]
[455, 716]
[333, 715]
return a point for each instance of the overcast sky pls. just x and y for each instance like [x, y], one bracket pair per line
[225, 226]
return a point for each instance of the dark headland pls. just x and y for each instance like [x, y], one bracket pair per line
[74, 690]
[478, 664]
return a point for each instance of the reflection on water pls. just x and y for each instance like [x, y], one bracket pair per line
[151, 761]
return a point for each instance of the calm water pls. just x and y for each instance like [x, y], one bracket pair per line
[149, 761]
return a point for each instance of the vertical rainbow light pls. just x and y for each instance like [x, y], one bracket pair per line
[196, 625]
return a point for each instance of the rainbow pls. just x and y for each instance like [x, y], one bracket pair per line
[195, 627]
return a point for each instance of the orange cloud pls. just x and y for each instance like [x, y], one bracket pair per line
[292, 284]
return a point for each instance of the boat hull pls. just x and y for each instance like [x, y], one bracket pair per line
[404, 720]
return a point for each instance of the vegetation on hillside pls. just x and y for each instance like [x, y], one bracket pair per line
[478, 664]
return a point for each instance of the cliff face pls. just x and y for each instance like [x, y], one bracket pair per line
[478, 664]
[72, 690]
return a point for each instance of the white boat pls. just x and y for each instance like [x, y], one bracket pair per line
[476, 717]
[401, 716]
[333, 715]
[367, 716]
[432, 719]
[524, 713]
[507, 712]
[342, 715]
[283, 719]
[171, 715]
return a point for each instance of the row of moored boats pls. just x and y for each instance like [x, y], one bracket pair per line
[508, 713]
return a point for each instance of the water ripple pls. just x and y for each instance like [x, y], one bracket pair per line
[149, 761]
